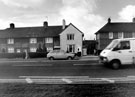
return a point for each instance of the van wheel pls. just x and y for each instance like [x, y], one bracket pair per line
[115, 64]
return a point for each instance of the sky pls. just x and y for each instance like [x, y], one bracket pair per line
[87, 15]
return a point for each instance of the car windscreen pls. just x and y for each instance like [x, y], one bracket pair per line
[112, 44]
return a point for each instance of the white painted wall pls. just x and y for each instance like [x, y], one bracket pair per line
[77, 38]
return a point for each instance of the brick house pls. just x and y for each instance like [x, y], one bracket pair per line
[114, 30]
[18, 39]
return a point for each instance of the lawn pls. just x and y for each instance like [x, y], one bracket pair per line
[78, 90]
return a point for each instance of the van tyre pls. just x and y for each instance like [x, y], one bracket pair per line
[115, 64]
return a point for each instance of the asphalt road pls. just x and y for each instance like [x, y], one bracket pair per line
[77, 78]
[63, 71]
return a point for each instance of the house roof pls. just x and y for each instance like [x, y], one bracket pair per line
[50, 31]
[118, 27]
[75, 28]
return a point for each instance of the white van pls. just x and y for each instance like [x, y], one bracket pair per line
[119, 52]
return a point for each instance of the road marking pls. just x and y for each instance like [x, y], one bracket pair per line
[55, 77]
[31, 65]
[66, 80]
[107, 79]
[28, 80]
[131, 76]
[86, 64]
[18, 61]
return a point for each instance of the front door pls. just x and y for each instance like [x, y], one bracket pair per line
[71, 48]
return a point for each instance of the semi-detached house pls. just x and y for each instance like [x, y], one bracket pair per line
[114, 30]
[18, 39]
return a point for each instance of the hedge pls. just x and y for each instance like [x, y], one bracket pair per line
[22, 55]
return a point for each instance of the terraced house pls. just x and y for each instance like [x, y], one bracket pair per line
[19, 39]
[114, 30]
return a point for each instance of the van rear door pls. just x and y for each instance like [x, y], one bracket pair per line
[133, 50]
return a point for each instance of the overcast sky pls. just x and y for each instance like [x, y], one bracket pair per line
[87, 15]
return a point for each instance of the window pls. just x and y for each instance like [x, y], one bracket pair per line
[33, 49]
[110, 35]
[11, 50]
[10, 41]
[48, 40]
[98, 36]
[133, 34]
[49, 49]
[33, 40]
[70, 36]
[71, 48]
[123, 45]
[18, 50]
[120, 34]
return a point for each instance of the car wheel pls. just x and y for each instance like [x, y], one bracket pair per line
[69, 58]
[51, 58]
[115, 64]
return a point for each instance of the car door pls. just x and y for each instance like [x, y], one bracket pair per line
[61, 55]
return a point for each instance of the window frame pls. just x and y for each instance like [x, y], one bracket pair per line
[33, 49]
[120, 35]
[11, 50]
[49, 40]
[133, 34]
[33, 40]
[110, 35]
[70, 36]
[10, 41]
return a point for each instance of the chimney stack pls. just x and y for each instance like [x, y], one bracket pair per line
[45, 24]
[134, 20]
[109, 20]
[12, 25]
[63, 24]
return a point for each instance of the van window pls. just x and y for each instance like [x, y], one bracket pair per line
[112, 44]
[123, 45]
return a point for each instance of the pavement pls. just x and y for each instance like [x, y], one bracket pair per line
[82, 58]
[89, 57]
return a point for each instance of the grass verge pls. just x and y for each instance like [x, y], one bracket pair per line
[78, 90]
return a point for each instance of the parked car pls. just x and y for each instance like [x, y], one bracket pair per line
[60, 54]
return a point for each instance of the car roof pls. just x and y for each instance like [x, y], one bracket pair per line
[56, 51]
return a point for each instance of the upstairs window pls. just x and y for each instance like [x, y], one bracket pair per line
[110, 35]
[70, 36]
[10, 41]
[133, 34]
[48, 40]
[33, 40]
[120, 34]
[97, 36]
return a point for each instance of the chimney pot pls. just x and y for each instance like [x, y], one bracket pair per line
[134, 20]
[64, 24]
[45, 24]
[109, 20]
[12, 25]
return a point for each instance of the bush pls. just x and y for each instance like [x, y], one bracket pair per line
[22, 55]
[37, 55]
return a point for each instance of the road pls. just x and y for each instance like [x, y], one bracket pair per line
[63, 71]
